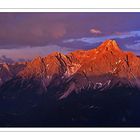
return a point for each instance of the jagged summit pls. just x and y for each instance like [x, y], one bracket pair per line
[106, 59]
[79, 56]
[99, 85]
[109, 45]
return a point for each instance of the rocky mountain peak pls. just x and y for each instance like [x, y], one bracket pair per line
[109, 45]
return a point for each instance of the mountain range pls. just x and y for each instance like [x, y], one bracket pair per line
[97, 87]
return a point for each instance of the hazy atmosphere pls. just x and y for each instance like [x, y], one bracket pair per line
[24, 36]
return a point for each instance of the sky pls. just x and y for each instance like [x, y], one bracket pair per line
[24, 36]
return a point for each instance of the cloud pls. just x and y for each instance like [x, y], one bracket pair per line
[34, 29]
[135, 47]
[95, 31]
[27, 53]
[40, 29]
[137, 41]
[94, 40]
[5, 59]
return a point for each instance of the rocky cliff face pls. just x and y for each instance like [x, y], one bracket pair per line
[9, 71]
[97, 69]
[83, 85]
[105, 67]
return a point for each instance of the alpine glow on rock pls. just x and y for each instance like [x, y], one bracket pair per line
[69, 70]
